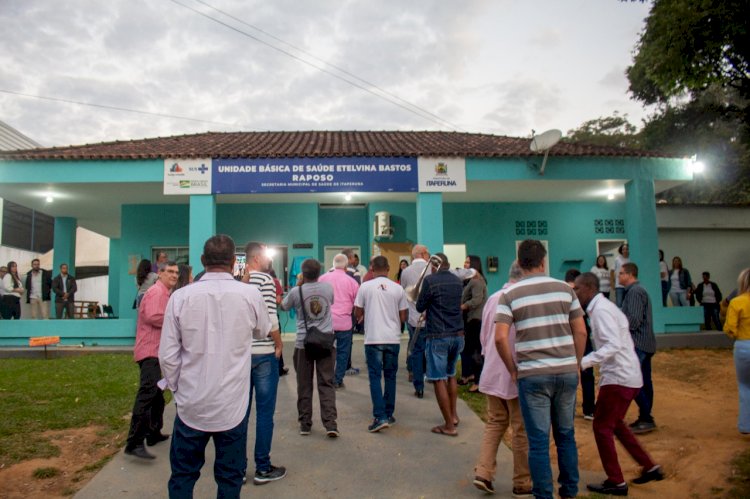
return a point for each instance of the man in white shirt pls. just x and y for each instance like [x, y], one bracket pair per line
[619, 383]
[204, 355]
[381, 303]
[415, 361]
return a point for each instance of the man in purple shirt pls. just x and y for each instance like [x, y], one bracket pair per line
[344, 292]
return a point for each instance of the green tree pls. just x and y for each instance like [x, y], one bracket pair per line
[613, 131]
[689, 46]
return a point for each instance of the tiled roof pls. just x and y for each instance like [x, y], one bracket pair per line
[316, 144]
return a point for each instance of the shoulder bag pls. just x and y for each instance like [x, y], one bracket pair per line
[318, 344]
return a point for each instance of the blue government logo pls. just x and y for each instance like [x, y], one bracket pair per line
[203, 168]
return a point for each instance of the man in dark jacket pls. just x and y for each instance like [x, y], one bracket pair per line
[64, 286]
[709, 296]
[440, 297]
[38, 283]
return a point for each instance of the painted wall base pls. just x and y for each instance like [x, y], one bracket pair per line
[92, 332]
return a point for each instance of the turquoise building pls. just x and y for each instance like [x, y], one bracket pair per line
[303, 192]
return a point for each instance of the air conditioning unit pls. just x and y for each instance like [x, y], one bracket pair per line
[382, 228]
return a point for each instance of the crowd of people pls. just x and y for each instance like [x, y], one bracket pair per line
[524, 347]
[38, 287]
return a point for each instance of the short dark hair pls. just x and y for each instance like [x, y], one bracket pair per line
[531, 254]
[252, 249]
[589, 279]
[310, 269]
[707, 274]
[35, 260]
[164, 265]
[379, 263]
[218, 251]
[445, 263]
[630, 268]
[571, 274]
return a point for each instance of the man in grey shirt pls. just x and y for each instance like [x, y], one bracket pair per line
[317, 298]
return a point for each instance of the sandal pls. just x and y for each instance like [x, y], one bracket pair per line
[474, 388]
[440, 430]
[466, 380]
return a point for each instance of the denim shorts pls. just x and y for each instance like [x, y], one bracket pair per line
[442, 355]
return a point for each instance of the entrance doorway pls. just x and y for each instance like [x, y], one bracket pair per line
[456, 254]
[608, 248]
[330, 251]
[394, 252]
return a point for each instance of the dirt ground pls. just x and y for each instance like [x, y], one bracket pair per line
[82, 452]
[695, 409]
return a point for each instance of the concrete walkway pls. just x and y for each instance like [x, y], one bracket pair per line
[405, 460]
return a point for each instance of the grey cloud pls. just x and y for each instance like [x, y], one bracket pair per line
[614, 78]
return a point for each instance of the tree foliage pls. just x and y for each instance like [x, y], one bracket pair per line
[613, 131]
[689, 46]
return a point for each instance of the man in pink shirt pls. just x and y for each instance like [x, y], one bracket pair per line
[148, 410]
[503, 408]
[344, 292]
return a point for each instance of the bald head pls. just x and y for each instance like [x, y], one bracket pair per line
[420, 251]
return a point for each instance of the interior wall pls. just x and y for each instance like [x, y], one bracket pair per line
[144, 226]
[344, 227]
[723, 253]
[490, 229]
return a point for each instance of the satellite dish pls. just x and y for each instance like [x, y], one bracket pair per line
[543, 142]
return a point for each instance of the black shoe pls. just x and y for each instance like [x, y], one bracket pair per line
[648, 476]
[484, 485]
[518, 492]
[304, 430]
[608, 488]
[339, 386]
[155, 439]
[284, 372]
[391, 420]
[273, 473]
[377, 425]
[419, 394]
[332, 433]
[139, 451]
[640, 427]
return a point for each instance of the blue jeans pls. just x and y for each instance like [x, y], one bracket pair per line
[645, 398]
[415, 362]
[188, 454]
[550, 401]
[264, 381]
[619, 296]
[679, 298]
[442, 356]
[382, 362]
[343, 352]
[742, 367]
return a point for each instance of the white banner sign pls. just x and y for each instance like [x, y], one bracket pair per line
[441, 174]
[187, 176]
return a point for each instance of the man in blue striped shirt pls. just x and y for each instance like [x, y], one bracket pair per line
[636, 305]
[550, 340]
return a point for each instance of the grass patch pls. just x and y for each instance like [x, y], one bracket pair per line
[95, 466]
[740, 478]
[37, 395]
[43, 473]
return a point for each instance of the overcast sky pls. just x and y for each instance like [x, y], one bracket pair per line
[496, 66]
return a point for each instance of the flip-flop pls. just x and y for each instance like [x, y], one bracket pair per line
[473, 389]
[442, 431]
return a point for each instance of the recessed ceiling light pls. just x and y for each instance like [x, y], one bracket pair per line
[611, 195]
[348, 196]
[49, 198]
